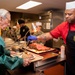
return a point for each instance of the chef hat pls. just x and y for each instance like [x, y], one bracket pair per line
[38, 24]
[70, 5]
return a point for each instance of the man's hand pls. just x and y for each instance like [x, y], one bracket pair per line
[31, 37]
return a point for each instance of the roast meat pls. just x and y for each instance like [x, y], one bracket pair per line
[38, 46]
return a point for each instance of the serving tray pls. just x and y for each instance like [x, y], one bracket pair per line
[39, 51]
[36, 57]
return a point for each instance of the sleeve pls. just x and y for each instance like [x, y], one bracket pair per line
[57, 31]
[9, 62]
[12, 62]
[7, 52]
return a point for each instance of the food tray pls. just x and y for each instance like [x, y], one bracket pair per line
[37, 51]
[36, 57]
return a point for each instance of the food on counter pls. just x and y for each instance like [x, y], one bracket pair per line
[17, 48]
[28, 55]
[19, 54]
[38, 47]
[8, 42]
[24, 55]
[23, 42]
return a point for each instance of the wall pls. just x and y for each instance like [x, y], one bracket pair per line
[27, 17]
[58, 17]
[54, 17]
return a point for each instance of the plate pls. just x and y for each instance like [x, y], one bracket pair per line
[34, 57]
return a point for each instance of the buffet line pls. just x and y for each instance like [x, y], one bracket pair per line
[38, 54]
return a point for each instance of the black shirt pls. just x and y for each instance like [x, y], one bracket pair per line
[24, 31]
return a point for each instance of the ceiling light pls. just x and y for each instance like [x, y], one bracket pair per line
[28, 5]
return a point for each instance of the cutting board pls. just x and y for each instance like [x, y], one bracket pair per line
[39, 51]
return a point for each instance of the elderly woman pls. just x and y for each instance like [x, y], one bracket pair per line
[7, 62]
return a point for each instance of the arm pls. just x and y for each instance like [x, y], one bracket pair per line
[55, 33]
[45, 36]
[12, 62]
[42, 37]
[9, 62]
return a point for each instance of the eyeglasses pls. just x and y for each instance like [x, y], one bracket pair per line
[9, 21]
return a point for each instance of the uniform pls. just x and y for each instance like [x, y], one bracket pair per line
[68, 35]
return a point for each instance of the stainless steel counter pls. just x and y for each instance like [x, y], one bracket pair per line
[40, 69]
[50, 59]
[52, 62]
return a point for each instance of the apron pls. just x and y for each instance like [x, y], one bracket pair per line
[70, 53]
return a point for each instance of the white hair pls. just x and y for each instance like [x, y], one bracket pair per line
[3, 12]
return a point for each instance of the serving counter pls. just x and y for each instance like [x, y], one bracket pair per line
[40, 62]
[51, 63]
[43, 65]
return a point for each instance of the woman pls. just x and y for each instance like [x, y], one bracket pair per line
[6, 61]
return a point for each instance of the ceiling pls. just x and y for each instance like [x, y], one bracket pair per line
[45, 6]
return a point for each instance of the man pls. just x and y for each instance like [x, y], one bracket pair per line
[38, 29]
[24, 30]
[67, 31]
[7, 62]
